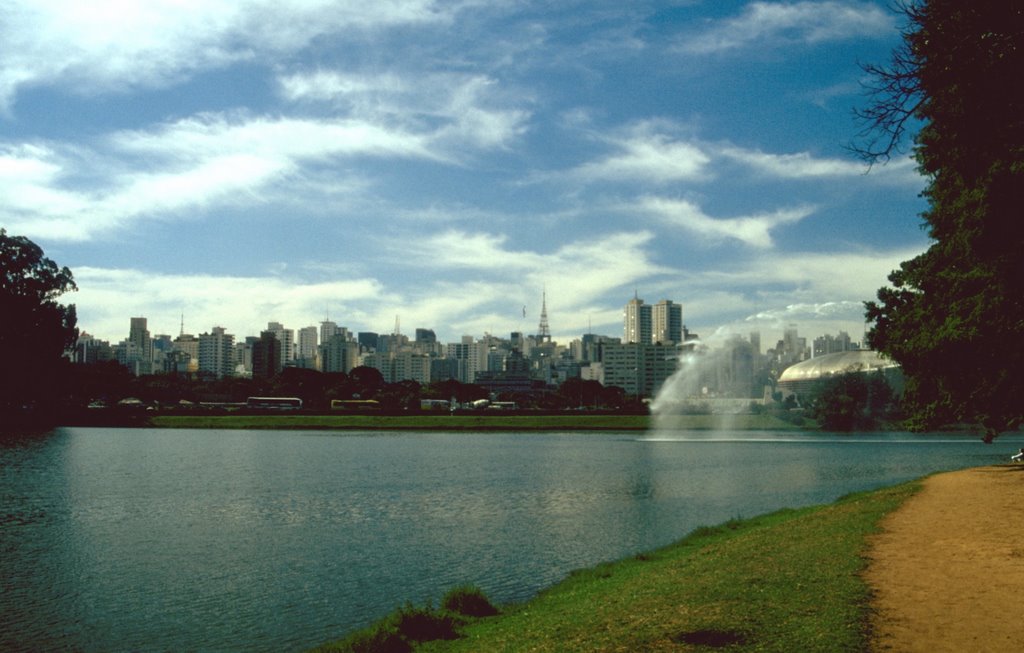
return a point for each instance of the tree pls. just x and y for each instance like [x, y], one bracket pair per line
[308, 385]
[366, 381]
[954, 316]
[856, 401]
[35, 330]
[399, 396]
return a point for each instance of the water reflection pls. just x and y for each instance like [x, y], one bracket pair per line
[146, 539]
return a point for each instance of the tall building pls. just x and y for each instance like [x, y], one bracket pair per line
[639, 368]
[327, 329]
[426, 336]
[140, 352]
[667, 322]
[637, 325]
[187, 345]
[367, 340]
[287, 339]
[794, 348]
[829, 344]
[409, 365]
[92, 350]
[266, 356]
[307, 349]
[338, 353]
[216, 352]
[471, 357]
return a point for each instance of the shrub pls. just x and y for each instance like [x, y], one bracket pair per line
[378, 638]
[468, 601]
[424, 624]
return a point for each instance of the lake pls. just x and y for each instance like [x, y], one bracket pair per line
[130, 539]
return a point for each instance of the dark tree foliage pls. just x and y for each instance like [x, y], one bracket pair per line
[851, 402]
[954, 316]
[308, 385]
[35, 330]
[366, 381]
[576, 392]
[399, 396]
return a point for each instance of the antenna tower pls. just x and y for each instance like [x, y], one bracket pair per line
[544, 331]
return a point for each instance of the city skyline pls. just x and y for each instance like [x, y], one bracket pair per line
[291, 337]
[450, 164]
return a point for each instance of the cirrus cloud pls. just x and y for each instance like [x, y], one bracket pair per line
[787, 22]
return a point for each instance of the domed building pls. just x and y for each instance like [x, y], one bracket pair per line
[799, 379]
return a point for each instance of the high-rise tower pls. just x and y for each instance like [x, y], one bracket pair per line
[544, 330]
[139, 356]
[667, 322]
[636, 321]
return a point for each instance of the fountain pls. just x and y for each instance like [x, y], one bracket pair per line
[712, 378]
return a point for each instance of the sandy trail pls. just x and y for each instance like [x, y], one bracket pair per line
[948, 568]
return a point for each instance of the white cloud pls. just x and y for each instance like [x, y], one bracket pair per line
[805, 278]
[820, 292]
[459, 249]
[116, 45]
[846, 309]
[213, 135]
[190, 163]
[801, 165]
[754, 230]
[774, 23]
[578, 275]
[644, 152]
[456, 109]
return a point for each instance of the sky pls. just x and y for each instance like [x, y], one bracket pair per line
[450, 165]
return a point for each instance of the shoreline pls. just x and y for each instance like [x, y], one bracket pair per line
[459, 422]
[865, 572]
[786, 580]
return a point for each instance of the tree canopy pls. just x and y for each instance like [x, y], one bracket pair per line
[954, 316]
[35, 330]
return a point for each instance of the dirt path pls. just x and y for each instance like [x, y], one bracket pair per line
[948, 568]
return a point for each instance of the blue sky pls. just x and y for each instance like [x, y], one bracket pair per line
[445, 163]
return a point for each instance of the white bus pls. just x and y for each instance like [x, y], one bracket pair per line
[274, 403]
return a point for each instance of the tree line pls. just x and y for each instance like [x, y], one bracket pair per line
[108, 383]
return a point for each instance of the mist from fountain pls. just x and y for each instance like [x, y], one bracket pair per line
[691, 389]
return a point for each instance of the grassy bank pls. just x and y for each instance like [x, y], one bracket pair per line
[462, 422]
[788, 581]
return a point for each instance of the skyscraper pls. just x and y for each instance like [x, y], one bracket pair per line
[216, 352]
[307, 350]
[266, 356]
[140, 346]
[636, 320]
[667, 322]
[287, 340]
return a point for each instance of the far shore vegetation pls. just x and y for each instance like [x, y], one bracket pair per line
[479, 422]
[786, 581]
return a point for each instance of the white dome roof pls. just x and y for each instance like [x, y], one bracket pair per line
[862, 360]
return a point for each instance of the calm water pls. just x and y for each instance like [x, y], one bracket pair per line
[122, 539]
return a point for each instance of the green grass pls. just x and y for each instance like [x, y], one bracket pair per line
[462, 422]
[406, 627]
[788, 581]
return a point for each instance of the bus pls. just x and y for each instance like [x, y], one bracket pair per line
[274, 403]
[435, 404]
[359, 405]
